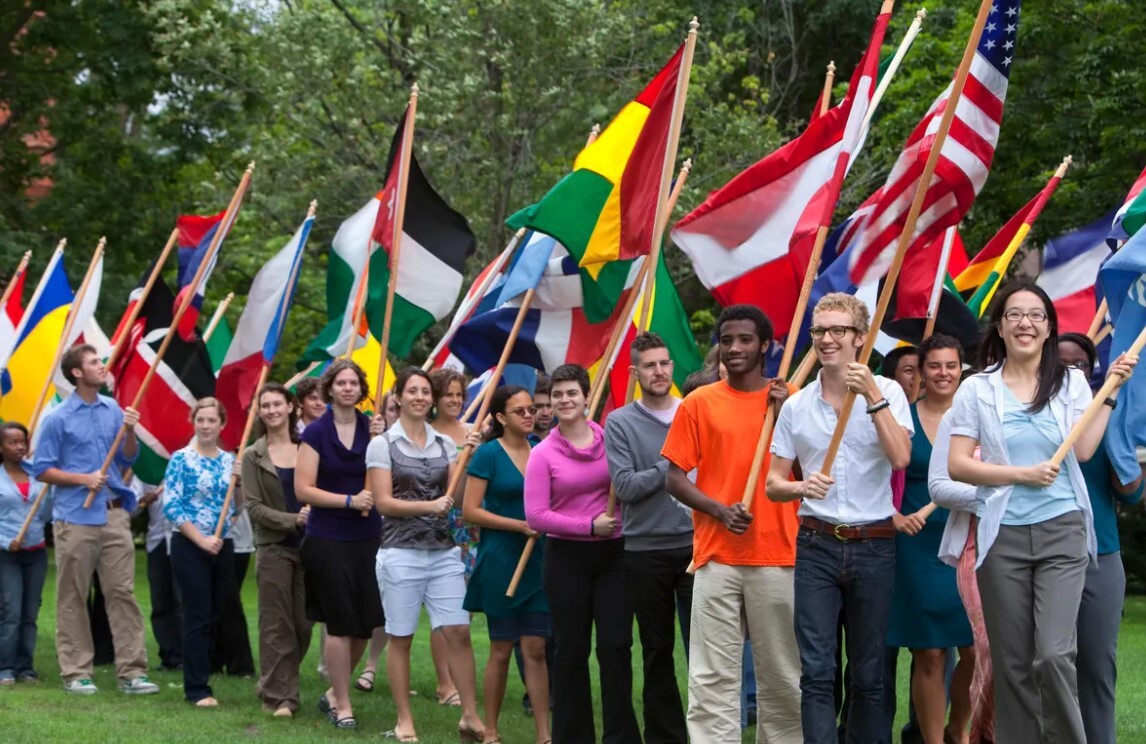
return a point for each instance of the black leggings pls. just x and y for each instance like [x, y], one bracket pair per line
[585, 583]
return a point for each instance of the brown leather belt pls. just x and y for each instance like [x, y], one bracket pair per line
[845, 532]
[115, 504]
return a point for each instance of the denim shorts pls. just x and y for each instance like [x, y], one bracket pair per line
[536, 624]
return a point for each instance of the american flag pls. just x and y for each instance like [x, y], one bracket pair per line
[964, 162]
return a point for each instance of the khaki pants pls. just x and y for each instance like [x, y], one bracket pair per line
[81, 551]
[725, 600]
[284, 631]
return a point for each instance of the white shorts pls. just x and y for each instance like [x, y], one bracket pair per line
[411, 579]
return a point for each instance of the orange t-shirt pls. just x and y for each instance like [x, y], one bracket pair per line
[715, 431]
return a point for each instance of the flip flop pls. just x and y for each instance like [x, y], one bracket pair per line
[405, 738]
[344, 723]
[453, 700]
[365, 681]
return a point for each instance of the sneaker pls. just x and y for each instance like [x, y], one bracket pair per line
[139, 686]
[28, 676]
[7, 681]
[81, 687]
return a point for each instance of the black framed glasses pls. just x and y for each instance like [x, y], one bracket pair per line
[520, 412]
[837, 332]
[1015, 315]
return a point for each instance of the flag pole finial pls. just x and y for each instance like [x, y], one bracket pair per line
[1066, 163]
[313, 206]
[27, 255]
[414, 90]
[921, 15]
[595, 130]
[102, 243]
[693, 25]
[250, 167]
[687, 167]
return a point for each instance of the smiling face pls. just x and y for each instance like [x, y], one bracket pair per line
[740, 347]
[568, 401]
[518, 419]
[1024, 327]
[836, 352]
[416, 397]
[274, 410]
[313, 406]
[208, 424]
[450, 404]
[941, 372]
[654, 372]
[13, 445]
[907, 375]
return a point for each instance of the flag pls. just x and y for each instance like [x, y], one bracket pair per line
[1070, 271]
[964, 162]
[84, 329]
[195, 235]
[751, 241]
[1131, 215]
[604, 210]
[183, 377]
[10, 316]
[257, 336]
[1123, 280]
[556, 329]
[436, 241]
[219, 344]
[917, 280]
[368, 357]
[668, 319]
[37, 339]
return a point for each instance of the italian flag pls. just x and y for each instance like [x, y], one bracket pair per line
[436, 240]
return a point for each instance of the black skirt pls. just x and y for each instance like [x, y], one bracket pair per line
[341, 589]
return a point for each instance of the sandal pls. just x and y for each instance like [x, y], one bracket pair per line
[324, 706]
[344, 723]
[469, 735]
[365, 681]
[406, 738]
[453, 700]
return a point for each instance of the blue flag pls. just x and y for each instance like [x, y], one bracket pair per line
[1123, 281]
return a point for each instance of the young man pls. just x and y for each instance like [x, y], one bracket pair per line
[902, 365]
[845, 555]
[311, 404]
[74, 440]
[657, 530]
[744, 557]
[543, 421]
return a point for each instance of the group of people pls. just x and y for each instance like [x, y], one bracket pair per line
[935, 519]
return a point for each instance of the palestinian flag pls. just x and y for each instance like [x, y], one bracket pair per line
[184, 376]
[604, 210]
[436, 241]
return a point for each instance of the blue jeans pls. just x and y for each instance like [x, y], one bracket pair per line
[22, 577]
[857, 576]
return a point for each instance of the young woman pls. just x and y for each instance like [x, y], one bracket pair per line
[1100, 614]
[566, 492]
[410, 466]
[927, 615]
[279, 522]
[23, 563]
[389, 410]
[194, 489]
[342, 532]
[494, 502]
[1035, 533]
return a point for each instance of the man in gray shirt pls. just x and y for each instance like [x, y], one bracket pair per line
[657, 530]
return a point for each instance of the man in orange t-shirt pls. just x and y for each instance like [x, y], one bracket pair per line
[745, 559]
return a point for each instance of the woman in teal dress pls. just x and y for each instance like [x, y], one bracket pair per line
[927, 615]
[494, 501]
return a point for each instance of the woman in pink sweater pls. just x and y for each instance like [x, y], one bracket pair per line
[566, 493]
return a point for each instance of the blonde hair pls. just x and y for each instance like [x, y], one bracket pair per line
[844, 302]
[209, 403]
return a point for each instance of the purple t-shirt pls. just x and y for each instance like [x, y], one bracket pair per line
[341, 471]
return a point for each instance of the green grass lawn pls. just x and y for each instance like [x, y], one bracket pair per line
[39, 714]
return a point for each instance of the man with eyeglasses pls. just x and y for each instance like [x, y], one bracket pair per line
[845, 550]
[657, 531]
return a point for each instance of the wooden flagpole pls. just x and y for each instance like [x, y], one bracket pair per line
[69, 325]
[1101, 335]
[396, 240]
[20, 268]
[156, 271]
[909, 226]
[937, 286]
[1099, 319]
[893, 67]
[1095, 405]
[57, 255]
[826, 94]
[298, 376]
[264, 373]
[217, 317]
[180, 311]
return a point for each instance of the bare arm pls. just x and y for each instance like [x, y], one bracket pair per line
[474, 513]
[962, 466]
[382, 486]
[735, 517]
[307, 492]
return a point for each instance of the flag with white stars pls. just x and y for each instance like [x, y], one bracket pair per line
[963, 165]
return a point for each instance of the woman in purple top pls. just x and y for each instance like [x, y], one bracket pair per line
[342, 532]
[566, 494]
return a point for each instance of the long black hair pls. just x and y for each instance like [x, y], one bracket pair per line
[497, 405]
[993, 351]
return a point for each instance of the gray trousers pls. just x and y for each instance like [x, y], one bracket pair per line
[1098, 621]
[1031, 585]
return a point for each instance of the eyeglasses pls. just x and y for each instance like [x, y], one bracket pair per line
[1015, 315]
[520, 412]
[837, 332]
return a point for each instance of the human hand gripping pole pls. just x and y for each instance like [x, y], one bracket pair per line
[180, 311]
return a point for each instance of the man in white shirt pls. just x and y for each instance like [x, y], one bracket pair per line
[845, 550]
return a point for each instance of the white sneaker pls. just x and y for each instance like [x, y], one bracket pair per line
[138, 686]
[80, 687]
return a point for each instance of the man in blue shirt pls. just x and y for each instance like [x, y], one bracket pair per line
[73, 442]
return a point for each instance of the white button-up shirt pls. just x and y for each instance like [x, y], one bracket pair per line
[862, 491]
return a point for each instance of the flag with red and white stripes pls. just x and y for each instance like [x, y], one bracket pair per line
[963, 164]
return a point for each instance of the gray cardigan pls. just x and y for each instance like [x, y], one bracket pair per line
[263, 492]
[654, 520]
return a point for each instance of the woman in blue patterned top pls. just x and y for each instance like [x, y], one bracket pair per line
[195, 487]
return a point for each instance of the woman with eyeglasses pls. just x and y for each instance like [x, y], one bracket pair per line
[494, 501]
[1036, 529]
[583, 573]
[1102, 596]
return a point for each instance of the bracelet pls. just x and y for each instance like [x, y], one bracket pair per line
[878, 406]
[348, 497]
[1112, 402]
